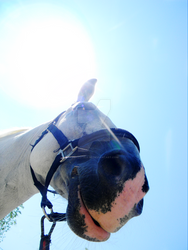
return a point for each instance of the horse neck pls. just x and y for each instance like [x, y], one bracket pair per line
[16, 184]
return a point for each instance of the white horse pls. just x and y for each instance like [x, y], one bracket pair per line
[99, 169]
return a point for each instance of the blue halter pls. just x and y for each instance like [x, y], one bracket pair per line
[66, 149]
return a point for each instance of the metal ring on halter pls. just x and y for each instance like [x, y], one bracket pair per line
[44, 211]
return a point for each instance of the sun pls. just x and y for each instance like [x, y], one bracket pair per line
[47, 55]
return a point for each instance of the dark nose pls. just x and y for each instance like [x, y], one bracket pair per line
[112, 187]
[118, 164]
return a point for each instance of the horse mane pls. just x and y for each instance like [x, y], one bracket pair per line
[13, 131]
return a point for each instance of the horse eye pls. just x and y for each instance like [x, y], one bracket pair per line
[74, 172]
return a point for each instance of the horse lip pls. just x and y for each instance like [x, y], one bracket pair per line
[93, 225]
[96, 222]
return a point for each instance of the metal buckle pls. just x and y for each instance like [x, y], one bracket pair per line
[70, 150]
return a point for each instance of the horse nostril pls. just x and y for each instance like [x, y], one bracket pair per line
[112, 163]
[139, 207]
[145, 187]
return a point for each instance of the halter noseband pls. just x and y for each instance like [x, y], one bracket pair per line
[66, 149]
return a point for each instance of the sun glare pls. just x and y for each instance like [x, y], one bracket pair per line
[46, 55]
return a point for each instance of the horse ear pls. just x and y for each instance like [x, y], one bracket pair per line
[86, 90]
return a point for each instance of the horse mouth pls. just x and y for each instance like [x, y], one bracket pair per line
[92, 223]
[83, 203]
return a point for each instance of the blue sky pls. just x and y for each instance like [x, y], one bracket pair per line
[137, 51]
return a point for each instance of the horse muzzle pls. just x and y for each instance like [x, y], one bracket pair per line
[108, 195]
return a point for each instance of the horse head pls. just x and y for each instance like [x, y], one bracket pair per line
[103, 179]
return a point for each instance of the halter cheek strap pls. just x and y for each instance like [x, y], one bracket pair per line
[66, 149]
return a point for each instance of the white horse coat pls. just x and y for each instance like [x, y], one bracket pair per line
[16, 183]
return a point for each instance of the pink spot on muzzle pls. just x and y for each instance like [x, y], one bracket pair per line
[123, 205]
